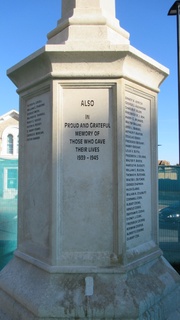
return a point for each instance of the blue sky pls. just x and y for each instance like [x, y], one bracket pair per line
[25, 24]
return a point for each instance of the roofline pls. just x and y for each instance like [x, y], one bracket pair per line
[9, 113]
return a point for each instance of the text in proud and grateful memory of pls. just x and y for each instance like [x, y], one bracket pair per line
[137, 121]
[85, 149]
[88, 138]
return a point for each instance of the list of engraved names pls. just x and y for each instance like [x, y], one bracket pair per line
[137, 166]
[35, 119]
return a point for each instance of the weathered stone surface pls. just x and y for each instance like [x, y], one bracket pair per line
[87, 230]
[141, 293]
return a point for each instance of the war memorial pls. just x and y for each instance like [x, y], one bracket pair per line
[87, 216]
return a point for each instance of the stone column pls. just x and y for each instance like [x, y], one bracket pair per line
[106, 6]
[88, 22]
[87, 220]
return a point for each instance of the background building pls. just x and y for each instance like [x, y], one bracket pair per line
[9, 144]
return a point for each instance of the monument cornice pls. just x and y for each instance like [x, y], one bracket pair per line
[86, 21]
[64, 62]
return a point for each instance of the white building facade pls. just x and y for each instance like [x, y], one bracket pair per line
[9, 144]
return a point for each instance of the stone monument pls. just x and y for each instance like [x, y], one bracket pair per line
[87, 230]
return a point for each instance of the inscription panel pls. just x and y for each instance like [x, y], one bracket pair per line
[35, 118]
[36, 163]
[138, 161]
[87, 169]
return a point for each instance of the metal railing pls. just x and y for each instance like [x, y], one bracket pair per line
[169, 212]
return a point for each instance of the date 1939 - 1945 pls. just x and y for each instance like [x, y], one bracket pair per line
[91, 157]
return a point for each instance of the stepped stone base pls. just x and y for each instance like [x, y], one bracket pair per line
[151, 291]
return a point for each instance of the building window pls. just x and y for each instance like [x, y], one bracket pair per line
[10, 142]
[10, 146]
[12, 178]
[10, 181]
[17, 145]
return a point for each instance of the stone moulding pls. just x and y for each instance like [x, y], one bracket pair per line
[63, 62]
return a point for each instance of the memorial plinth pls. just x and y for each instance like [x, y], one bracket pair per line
[87, 230]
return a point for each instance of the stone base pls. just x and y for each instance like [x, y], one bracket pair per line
[150, 291]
